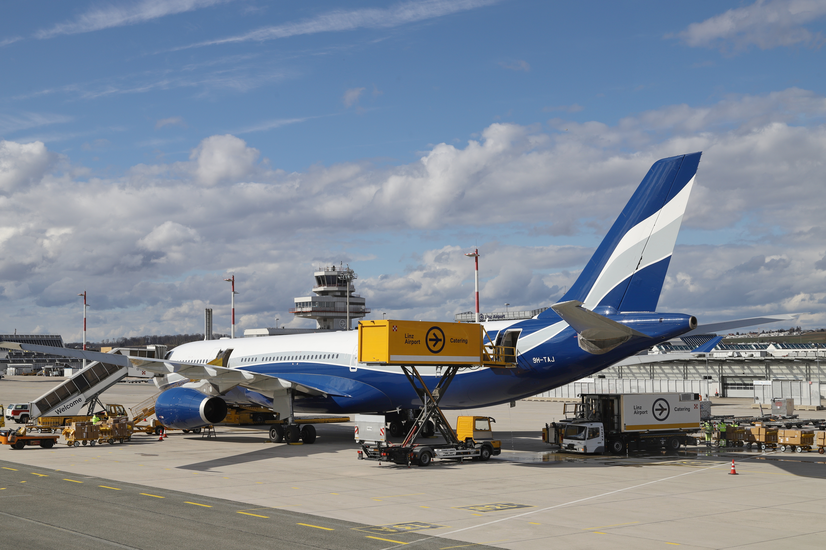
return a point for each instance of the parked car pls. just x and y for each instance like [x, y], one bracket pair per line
[19, 412]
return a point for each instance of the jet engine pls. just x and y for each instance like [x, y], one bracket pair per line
[187, 409]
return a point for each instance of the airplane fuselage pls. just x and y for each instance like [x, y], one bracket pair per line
[548, 355]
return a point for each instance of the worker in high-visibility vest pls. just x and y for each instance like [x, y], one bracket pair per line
[721, 427]
[709, 430]
[96, 419]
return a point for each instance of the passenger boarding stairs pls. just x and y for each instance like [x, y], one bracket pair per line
[81, 390]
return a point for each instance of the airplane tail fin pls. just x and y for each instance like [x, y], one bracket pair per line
[627, 271]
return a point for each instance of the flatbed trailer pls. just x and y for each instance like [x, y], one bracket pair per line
[17, 440]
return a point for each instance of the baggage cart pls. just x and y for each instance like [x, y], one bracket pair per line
[795, 440]
[78, 433]
[820, 442]
[762, 437]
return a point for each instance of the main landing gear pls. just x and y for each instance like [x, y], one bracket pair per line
[293, 433]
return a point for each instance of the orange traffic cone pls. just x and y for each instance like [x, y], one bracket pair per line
[733, 472]
[160, 437]
[165, 434]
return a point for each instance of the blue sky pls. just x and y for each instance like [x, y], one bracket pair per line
[149, 148]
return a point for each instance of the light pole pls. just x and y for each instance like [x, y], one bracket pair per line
[232, 327]
[475, 256]
[347, 275]
[84, 324]
[276, 322]
[506, 309]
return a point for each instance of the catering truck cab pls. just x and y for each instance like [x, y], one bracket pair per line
[620, 422]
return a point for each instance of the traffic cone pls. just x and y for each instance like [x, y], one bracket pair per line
[160, 437]
[733, 472]
[165, 434]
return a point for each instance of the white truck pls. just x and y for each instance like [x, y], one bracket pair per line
[620, 422]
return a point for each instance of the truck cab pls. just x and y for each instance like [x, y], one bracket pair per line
[587, 437]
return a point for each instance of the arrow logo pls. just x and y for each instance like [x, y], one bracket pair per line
[435, 340]
[660, 409]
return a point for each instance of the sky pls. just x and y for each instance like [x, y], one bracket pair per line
[149, 149]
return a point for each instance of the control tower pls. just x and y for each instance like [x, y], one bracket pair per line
[335, 304]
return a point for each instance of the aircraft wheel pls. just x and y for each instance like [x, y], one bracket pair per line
[196, 431]
[292, 434]
[277, 433]
[396, 428]
[308, 434]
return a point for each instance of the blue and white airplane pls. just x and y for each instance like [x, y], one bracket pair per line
[606, 316]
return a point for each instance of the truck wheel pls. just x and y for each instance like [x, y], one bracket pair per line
[18, 445]
[277, 434]
[396, 428]
[616, 446]
[673, 444]
[24, 419]
[93, 442]
[485, 452]
[77, 443]
[821, 450]
[425, 458]
[47, 443]
[308, 434]
[84, 442]
[799, 449]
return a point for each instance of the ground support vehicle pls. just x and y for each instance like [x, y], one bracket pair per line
[19, 412]
[18, 439]
[763, 437]
[620, 422]
[795, 440]
[474, 441]
[78, 433]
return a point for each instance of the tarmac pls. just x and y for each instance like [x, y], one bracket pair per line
[240, 490]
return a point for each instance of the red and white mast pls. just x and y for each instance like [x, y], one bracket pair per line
[84, 324]
[475, 256]
[232, 327]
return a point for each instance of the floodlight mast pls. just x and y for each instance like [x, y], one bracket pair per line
[232, 302]
[84, 324]
[475, 256]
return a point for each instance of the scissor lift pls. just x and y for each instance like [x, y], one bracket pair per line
[408, 344]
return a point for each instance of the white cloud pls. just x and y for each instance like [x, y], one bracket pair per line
[351, 96]
[517, 65]
[171, 121]
[763, 24]
[123, 14]
[23, 164]
[347, 20]
[24, 121]
[160, 238]
[222, 159]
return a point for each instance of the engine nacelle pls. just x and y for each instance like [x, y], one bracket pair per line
[187, 409]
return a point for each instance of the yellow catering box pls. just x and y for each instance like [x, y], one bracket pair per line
[420, 343]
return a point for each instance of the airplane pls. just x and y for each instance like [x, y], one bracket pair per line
[607, 315]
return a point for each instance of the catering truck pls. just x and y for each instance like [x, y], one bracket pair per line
[619, 422]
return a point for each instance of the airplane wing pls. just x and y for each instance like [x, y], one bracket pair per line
[596, 334]
[224, 378]
[741, 323]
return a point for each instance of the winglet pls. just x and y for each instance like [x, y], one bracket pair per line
[596, 334]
